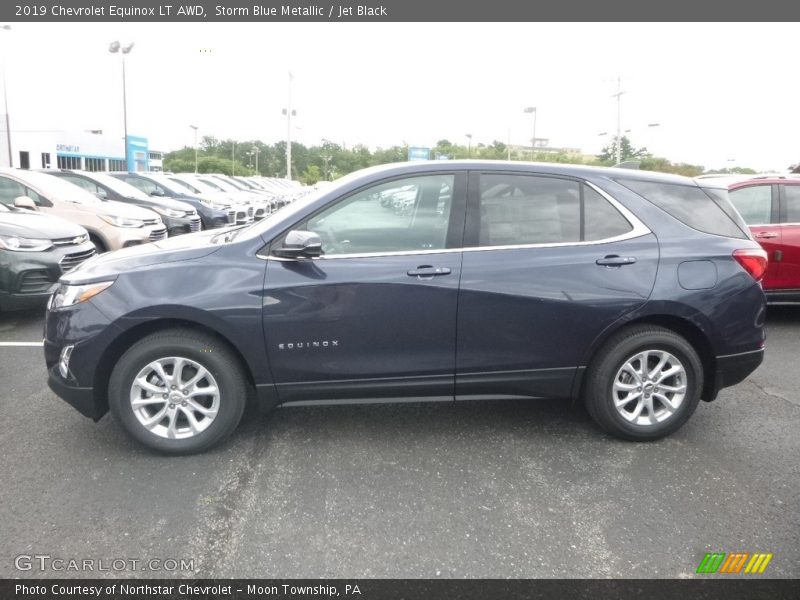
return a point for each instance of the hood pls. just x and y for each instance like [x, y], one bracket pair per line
[37, 225]
[118, 209]
[109, 265]
[166, 202]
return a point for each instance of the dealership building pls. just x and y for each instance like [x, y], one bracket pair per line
[85, 150]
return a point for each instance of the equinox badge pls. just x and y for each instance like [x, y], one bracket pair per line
[301, 345]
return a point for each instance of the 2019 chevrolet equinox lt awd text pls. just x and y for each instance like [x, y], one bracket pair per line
[636, 292]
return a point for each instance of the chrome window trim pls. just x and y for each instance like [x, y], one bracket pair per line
[639, 229]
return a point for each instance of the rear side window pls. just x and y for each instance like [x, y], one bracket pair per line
[791, 203]
[691, 205]
[754, 203]
[530, 209]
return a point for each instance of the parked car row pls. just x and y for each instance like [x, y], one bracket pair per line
[43, 210]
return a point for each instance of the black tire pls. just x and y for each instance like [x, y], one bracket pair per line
[99, 246]
[599, 392]
[204, 350]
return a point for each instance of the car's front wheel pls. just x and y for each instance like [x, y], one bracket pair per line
[644, 384]
[178, 391]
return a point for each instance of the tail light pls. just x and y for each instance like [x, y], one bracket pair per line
[753, 260]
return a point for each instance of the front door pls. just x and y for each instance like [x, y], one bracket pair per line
[375, 316]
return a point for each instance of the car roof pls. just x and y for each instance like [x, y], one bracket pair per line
[570, 170]
[740, 180]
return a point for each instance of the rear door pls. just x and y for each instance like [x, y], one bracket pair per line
[548, 264]
[790, 235]
[758, 205]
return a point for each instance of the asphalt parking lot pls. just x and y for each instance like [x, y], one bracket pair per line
[490, 489]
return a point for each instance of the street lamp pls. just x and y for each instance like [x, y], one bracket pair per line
[233, 159]
[255, 151]
[195, 127]
[289, 114]
[532, 109]
[5, 100]
[469, 145]
[115, 47]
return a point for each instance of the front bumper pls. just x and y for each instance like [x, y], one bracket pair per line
[90, 333]
[28, 278]
[181, 225]
[80, 398]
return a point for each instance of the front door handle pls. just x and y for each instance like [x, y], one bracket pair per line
[615, 261]
[428, 271]
[766, 235]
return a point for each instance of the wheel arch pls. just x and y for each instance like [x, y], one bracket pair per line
[130, 336]
[682, 326]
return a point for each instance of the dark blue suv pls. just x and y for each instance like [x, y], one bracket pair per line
[636, 292]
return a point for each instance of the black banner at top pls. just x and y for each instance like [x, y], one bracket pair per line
[392, 10]
[399, 589]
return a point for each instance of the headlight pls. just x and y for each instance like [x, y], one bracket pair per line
[215, 205]
[122, 221]
[169, 212]
[67, 295]
[21, 244]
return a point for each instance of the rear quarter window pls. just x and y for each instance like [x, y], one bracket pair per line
[708, 211]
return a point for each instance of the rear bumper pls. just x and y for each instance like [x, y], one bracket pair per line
[734, 368]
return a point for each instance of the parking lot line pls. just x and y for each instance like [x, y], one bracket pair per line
[22, 344]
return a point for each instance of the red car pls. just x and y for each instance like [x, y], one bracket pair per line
[770, 205]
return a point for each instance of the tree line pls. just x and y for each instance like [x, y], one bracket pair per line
[328, 161]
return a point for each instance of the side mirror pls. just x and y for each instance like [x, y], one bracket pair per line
[300, 244]
[24, 202]
[157, 193]
[102, 194]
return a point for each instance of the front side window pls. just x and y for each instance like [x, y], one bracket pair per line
[531, 209]
[754, 203]
[402, 215]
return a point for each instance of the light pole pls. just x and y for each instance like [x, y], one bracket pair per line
[532, 109]
[469, 145]
[115, 47]
[195, 147]
[255, 151]
[5, 100]
[618, 95]
[233, 158]
[289, 114]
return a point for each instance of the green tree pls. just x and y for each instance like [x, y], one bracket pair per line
[627, 152]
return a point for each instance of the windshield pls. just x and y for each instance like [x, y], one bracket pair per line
[120, 187]
[171, 186]
[194, 185]
[56, 188]
[214, 185]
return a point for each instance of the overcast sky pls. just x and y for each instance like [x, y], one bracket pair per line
[724, 94]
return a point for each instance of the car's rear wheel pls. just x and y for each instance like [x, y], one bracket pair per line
[178, 392]
[644, 383]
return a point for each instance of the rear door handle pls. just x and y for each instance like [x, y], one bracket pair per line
[615, 261]
[766, 235]
[428, 271]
